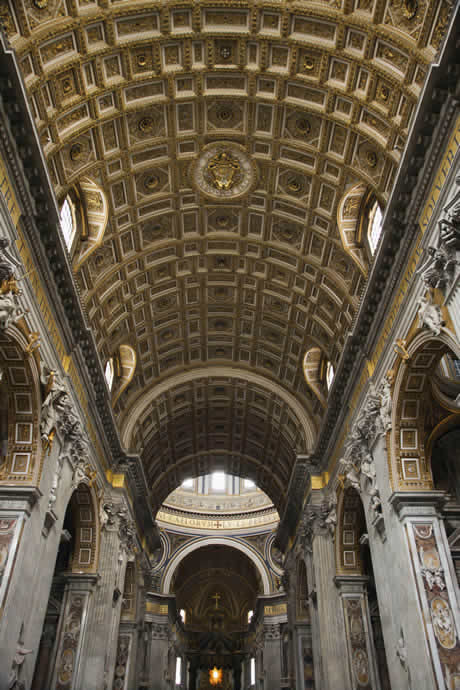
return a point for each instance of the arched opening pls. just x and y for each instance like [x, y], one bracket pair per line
[68, 222]
[4, 398]
[374, 226]
[61, 637]
[217, 587]
[354, 559]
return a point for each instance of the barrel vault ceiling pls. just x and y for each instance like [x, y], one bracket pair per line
[126, 95]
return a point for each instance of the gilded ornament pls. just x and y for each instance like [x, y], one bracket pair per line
[225, 52]
[294, 185]
[383, 92]
[151, 182]
[223, 170]
[225, 113]
[141, 60]
[76, 152]
[308, 64]
[303, 125]
[67, 85]
[410, 9]
[222, 221]
[41, 4]
[145, 124]
[371, 158]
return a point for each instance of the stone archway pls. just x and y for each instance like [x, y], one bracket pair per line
[71, 590]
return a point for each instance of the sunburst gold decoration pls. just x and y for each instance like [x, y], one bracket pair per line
[215, 676]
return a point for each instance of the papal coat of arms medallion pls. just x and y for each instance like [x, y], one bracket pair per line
[224, 171]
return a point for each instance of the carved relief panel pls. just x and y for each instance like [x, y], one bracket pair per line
[437, 594]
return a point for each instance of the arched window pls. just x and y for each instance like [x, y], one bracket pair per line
[329, 375]
[178, 670]
[68, 224]
[218, 481]
[109, 373]
[375, 226]
[250, 615]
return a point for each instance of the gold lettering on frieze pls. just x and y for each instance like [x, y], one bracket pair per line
[276, 610]
[8, 194]
[443, 171]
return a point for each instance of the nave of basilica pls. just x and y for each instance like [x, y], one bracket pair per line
[229, 344]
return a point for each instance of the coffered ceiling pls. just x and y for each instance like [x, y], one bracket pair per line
[311, 99]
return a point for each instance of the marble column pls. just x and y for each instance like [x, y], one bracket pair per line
[101, 644]
[159, 673]
[361, 652]
[330, 618]
[271, 670]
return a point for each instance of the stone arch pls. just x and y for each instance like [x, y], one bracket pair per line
[92, 213]
[351, 522]
[302, 594]
[128, 609]
[137, 409]
[221, 541]
[85, 554]
[410, 461]
[126, 361]
[351, 215]
[23, 461]
[316, 368]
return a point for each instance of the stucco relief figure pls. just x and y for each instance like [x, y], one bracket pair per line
[351, 474]
[401, 653]
[21, 652]
[368, 470]
[429, 316]
[431, 568]
[331, 519]
[449, 227]
[10, 311]
[439, 268]
[107, 514]
[443, 623]
[55, 402]
[386, 402]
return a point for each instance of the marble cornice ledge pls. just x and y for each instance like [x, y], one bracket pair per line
[294, 501]
[417, 503]
[41, 221]
[19, 497]
[399, 232]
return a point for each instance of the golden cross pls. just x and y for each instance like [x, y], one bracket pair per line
[216, 597]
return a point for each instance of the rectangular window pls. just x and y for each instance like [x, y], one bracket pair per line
[253, 670]
[178, 670]
[218, 481]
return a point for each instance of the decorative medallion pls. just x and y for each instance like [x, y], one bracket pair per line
[41, 4]
[410, 9]
[223, 171]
